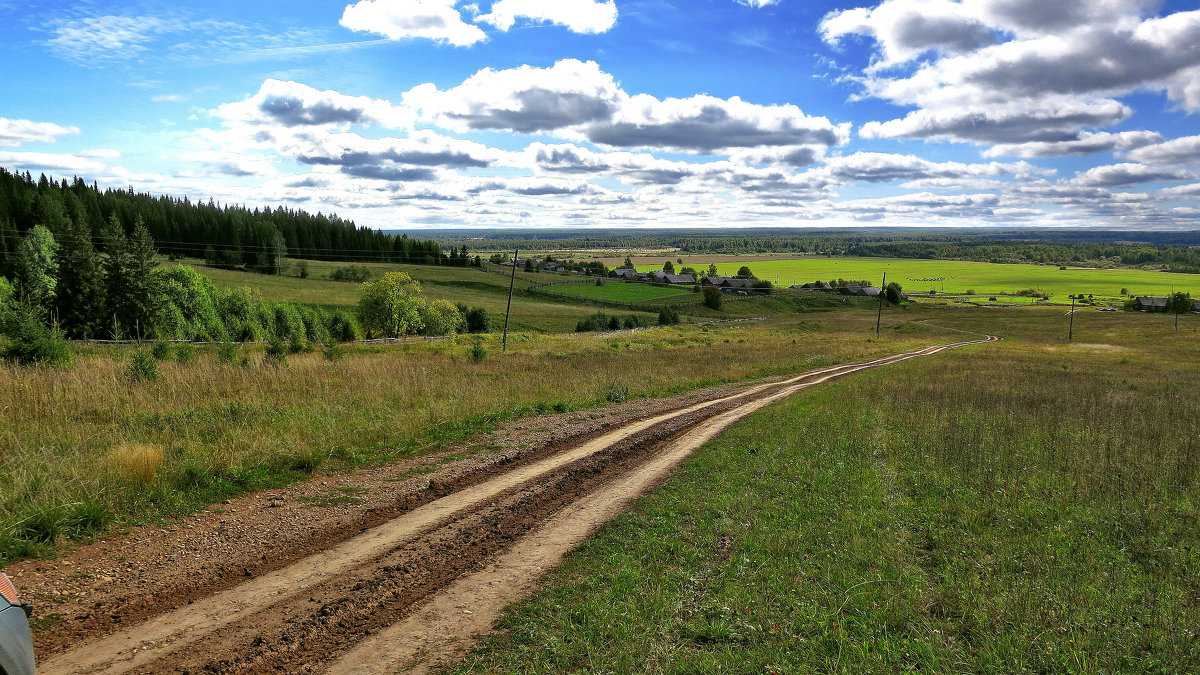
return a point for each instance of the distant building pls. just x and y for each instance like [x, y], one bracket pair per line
[679, 279]
[1149, 304]
[815, 286]
[738, 283]
[859, 291]
[713, 281]
[626, 273]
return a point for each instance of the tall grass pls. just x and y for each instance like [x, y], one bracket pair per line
[1026, 506]
[225, 423]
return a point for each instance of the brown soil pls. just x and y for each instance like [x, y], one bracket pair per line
[293, 580]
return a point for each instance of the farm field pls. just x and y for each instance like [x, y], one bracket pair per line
[983, 278]
[1022, 506]
[620, 291]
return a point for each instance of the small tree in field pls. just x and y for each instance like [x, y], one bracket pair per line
[1179, 303]
[712, 269]
[744, 272]
[391, 306]
[894, 293]
[669, 267]
[712, 298]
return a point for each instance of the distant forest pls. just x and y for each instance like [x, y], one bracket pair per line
[226, 235]
[1169, 251]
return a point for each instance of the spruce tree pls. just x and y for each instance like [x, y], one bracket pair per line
[79, 299]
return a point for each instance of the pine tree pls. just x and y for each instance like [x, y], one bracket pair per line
[79, 300]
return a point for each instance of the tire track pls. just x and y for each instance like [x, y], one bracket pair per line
[428, 556]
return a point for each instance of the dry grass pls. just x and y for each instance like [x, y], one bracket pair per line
[135, 463]
[86, 435]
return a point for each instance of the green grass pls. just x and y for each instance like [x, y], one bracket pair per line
[984, 278]
[1026, 506]
[620, 291]
[85, 451]
[475, 287]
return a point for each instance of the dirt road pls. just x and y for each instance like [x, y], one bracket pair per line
[391, 583]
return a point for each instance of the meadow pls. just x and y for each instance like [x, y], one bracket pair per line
[89, 450]
[621, 291]
[475, 287]
[1031, 505]
[954, 277]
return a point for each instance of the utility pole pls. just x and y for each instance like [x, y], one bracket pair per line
[882, 293]
[1071, 330]
[511, 282]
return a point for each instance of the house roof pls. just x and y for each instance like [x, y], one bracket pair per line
[715, 280]
[739, 283]
[1152, 302]
[680, 279]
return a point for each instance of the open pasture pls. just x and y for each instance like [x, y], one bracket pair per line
[469, 285]
[620, 291]
[958, 276]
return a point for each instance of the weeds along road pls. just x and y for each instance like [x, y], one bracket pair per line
[413, 589]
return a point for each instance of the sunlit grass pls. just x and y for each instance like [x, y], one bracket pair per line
[74, 439]
[1026, 506]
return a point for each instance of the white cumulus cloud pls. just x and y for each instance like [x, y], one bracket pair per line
[580, 16]
[437, 20]
[16, 132]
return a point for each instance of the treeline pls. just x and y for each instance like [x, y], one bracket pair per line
[63, 285]
[1176, 252]
[225, 235]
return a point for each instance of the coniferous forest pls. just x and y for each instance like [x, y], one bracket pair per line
[82, 263]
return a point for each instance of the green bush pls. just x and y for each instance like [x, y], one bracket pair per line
[316, 323]
[478, 320]
[478, 353]
[333, 351]
[31, 342]
[185, 353]
[595, 322]
[143, 367]
[712, 298]
[277, 353]
[161, 350]
[352, 273]
[343, 327]
[667, 316]
[288, 324]
[227, 352]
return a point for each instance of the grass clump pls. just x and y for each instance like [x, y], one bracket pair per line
[135, 463]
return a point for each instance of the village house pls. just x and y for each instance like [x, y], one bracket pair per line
[859, 291]
[815, 286]
[1149, 304]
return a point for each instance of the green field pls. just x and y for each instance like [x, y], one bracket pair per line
[472, 286]
[1031, 505]
[620, 291]
[983, 278]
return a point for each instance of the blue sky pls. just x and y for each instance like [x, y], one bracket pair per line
[622, 113]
